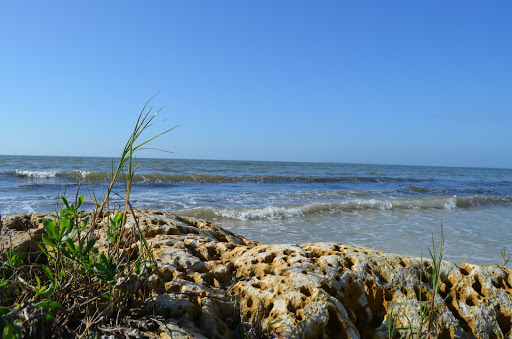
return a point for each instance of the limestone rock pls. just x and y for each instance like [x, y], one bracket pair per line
[211, 281]
[339, 291]
[20, 233]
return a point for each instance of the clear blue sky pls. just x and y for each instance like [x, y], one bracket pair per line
[394, 82]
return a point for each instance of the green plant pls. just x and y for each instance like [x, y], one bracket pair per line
[7, 266]
[428, 307]
[127, 159]
[392, 323]
[78, 283]
[392, 327]
[505, 258]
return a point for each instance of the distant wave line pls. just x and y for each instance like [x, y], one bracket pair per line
[99, 176]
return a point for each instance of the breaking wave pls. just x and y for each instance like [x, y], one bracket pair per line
[283, 212]
[36, 174]
[60, 174]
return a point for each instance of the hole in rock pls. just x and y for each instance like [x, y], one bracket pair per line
[334, 327]
[268, 308]
[388, 294]
[498, 283]
[463, 271]
[270, 258]
[477, 286]
[305, 291]
[505, 323]
[349, 263]
[329, 289]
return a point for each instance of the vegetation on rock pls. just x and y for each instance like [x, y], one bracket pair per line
[72, 286]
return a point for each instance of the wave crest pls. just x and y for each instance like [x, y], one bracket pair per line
[284, 212]
[36, 174]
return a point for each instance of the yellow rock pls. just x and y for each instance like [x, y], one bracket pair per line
[211, 282]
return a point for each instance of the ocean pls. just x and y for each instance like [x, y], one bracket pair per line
[390, 208]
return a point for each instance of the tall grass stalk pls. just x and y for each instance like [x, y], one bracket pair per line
[127, 159]
[428, 308]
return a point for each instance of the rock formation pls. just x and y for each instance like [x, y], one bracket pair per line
[210, 281]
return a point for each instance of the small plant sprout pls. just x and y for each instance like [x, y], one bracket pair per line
[505, 258]
[428, 307]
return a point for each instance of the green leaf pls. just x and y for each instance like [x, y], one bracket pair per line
[49, 273]
[65, 226]
[47, 290]
[38, 283]
[89, 246]
[10, 332]
[65, 202]
[137, 266]
[48, 241]
[3, 283]
[72, 247]
[49, 225]
[4, 310]
[73, 233]
[47, 303]
[43, 249]
[61, 276]
[103, 259]
[98, 267]
[107, 297]
[80, 201]
[13, 259]
[119, 218]
[66, 253]
[48, 318]
[86, 220]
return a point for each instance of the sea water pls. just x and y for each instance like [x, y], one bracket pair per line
[391, 208]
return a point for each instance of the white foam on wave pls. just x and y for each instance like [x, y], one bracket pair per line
[265, 213]
[256, 213]
[390, 204]
[36, 174]
[84, 174]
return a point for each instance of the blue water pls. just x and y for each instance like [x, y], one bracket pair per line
[392, 208]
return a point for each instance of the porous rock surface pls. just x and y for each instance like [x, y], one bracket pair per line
[210, 281]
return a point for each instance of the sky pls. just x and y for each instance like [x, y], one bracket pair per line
[385, 82]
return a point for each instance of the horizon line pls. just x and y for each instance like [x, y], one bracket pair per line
[277, 161]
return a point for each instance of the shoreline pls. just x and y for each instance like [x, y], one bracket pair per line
[208, 274]
[393, 209]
